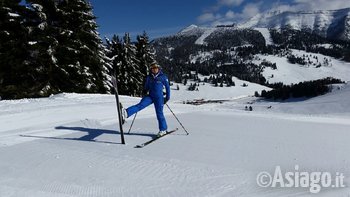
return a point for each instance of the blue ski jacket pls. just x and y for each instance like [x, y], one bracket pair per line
[154, 84]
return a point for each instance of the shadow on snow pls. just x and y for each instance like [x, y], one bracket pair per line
[90, 136]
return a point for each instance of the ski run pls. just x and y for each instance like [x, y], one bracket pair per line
[69, 145]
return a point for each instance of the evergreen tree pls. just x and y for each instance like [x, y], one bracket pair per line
[80, 52]
[133, 75]
[55, 46]
[15, 75]
[42, 19]
[114, 50]
[145, 54]
[125, 65]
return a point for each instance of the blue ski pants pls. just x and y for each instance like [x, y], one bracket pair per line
[158, 105]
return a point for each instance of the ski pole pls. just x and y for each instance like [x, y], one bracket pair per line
[177, 119]
[132, 123]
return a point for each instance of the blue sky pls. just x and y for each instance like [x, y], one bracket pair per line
[165, 17]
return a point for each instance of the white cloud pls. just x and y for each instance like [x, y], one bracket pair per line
[221, 12]
[208, 17]
[224, 3]
[230, 14]
[251, 10]
[248, 11]
[212, 16]
[230, 2]
[311, 5]
[323, 4]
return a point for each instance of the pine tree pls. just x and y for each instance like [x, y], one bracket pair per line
[81, 52]
[41, 19]
[115, 50]
[125, 65]
[145, 54]
[50, 46]
[131, 63]
[69, 49]
[15, 74]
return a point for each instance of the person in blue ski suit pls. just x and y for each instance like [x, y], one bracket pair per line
[154, 84]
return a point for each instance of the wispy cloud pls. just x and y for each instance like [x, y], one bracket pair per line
[311, 5]
[208, 17]
[222, 12]
[251, 9]
[213, 16]
[323, 4]
[229, 16]
[230, 2]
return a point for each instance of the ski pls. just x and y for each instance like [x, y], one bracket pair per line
[114, 82]
[155, 138]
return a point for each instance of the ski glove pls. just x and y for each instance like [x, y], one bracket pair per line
[166, 100]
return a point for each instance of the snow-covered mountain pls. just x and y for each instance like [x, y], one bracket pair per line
[212, 49]
[327, 23]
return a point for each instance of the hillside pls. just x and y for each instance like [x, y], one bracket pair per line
[258, 55]
[289, 73]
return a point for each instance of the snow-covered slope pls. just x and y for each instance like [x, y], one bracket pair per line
[335, 103]
[328, 23]
[68, 145]
[192, 30]
[200, 40]
[208, 91]
[294, 73]
[266, 33]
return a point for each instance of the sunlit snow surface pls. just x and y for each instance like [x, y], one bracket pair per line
[69, 144]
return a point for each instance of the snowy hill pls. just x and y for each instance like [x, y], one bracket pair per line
[288, 73]
[327, 23]
[204, 33]
[208, 91]
[68, 145]
[334, 103]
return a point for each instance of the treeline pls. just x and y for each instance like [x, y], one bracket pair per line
[130, 62]
[302, 89]
[309, 42]
[226, 38]
[52, 46]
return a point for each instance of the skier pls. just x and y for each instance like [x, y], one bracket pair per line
[154, 84]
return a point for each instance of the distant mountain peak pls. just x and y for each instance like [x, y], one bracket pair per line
[192, 30]
[327, 23]
[189, 28]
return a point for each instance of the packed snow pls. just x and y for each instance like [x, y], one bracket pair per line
[69, 144]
